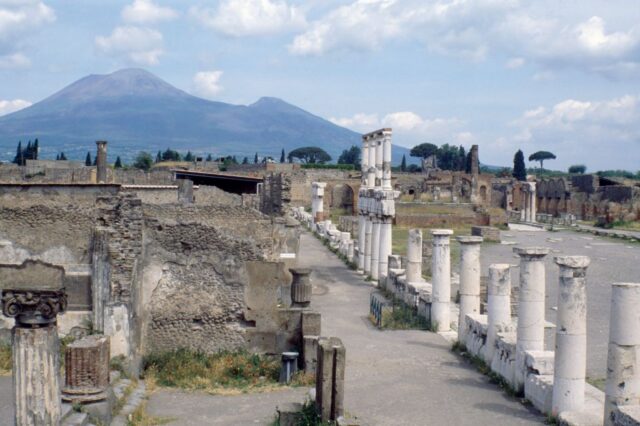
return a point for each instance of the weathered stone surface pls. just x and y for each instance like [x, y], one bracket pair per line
[87, 369]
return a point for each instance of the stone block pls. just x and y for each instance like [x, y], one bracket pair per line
[539, 362]
[310, 353]
[311, 323]
[488, 233]
[626, 415]
[539, 390]
[290, 414]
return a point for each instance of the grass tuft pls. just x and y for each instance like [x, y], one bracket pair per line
[140, 417]
[6, 359]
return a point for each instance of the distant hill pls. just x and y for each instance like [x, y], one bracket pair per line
[135, 110]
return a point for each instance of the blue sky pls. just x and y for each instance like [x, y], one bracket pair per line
[554, 75]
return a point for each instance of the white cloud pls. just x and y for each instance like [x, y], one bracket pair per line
[250, 17]
[207, 83]
[7, 107]
[525, 31]
[147, 12]
[605, 132]
[139, 45]
[515, 63]
[18, 20]
[410, 128]
[15, 60]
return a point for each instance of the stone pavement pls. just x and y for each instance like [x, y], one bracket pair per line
[400, 377]
[612, 260]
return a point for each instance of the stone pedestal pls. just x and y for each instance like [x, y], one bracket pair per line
[498, 305]
[300, 287]
[36, 354]
[87, 370]
[570, 362]
[414, 256]
[530, 306]
[623, 362]
[441, 276]
[469, 281]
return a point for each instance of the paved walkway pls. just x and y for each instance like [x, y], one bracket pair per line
[400, 377]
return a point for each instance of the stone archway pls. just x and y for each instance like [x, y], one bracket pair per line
[483, 194]
[343, 197]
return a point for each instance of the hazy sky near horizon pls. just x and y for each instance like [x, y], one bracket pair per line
[555, 75]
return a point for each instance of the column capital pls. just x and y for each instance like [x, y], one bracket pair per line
[573, 262]
[499, 267]
[441, 232]
[469, 239]
[531, 253]
[33, 308]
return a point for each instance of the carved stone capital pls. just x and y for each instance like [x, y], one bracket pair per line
[33, 308]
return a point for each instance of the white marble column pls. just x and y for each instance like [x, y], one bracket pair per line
[362, 225]
[530, 336]
[532, 203]
[414, 256]
[441, 276]
[570, 358]
[367, 245]
[379, 161]
[469, 281]
[386, 159]
[371, 179]
[623, 362]
[386, 230]
[375, 249]
[498, 305]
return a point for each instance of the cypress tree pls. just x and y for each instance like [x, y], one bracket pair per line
[19, 159]
[158, 157]
[255, 159]
[57, 157]
[27, 153]
[519, 169]
[36, 148]
[403, 165]
[118, 164]
[245, 160]
[209, 157]
[282, 157]
[63, 157]
[87, 160]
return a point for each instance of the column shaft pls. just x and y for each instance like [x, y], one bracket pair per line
[367, 245]
[441, 276]
[570, 362]
[386, 162]
[385, 247]
[375, 248]
[498, 305]
[469, 281]
[414, 255]
[362, 224]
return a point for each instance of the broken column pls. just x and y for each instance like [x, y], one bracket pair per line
[36, 353]
[532, 201]
[475, 161]
[301, 287]
[570, 359]
[317, 201]
[100, 277]
[86, 364]
[331, 361]
[185, 191]
[101, 162]
[441, 276]
[623, 363]
[414, 256]
[530, 334]
[498, 305]
[469, 280]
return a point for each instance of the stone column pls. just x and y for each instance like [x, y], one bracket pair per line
[570, 358]
[367, 245]
[86, 365]
[386, 228]
[530, 336]
[441, 276]
[532, 201]
[185, 191]
[101, 162]
[362, 225]
[414, 256]
[300, 287]
[100, 276]
[386, 159]
[36, 354]
[317, 202]
[375, 248]
[623, 363]
[498, 305]
[469, 281]
[371, 178]
[364, 166]
[379, 161]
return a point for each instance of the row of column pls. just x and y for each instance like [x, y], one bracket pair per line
[528, 195]
[376, 205]
[317, 201]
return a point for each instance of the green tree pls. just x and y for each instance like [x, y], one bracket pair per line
[350, 156]
[541, 156]
[310, 155]
[209, 157]
[118, 163]
[57, 157]
[578, 169]
[282, 157]
[403, 164]
[188, 157]
[519, 169]
[159, 157]
[36, 149]
[423, 150]
[63, 157]
[171, 155]
[462, 159]
[255, 159]
[87, 160]
[19, 158]
[448, 157]
[143, 161]
[245, 160]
